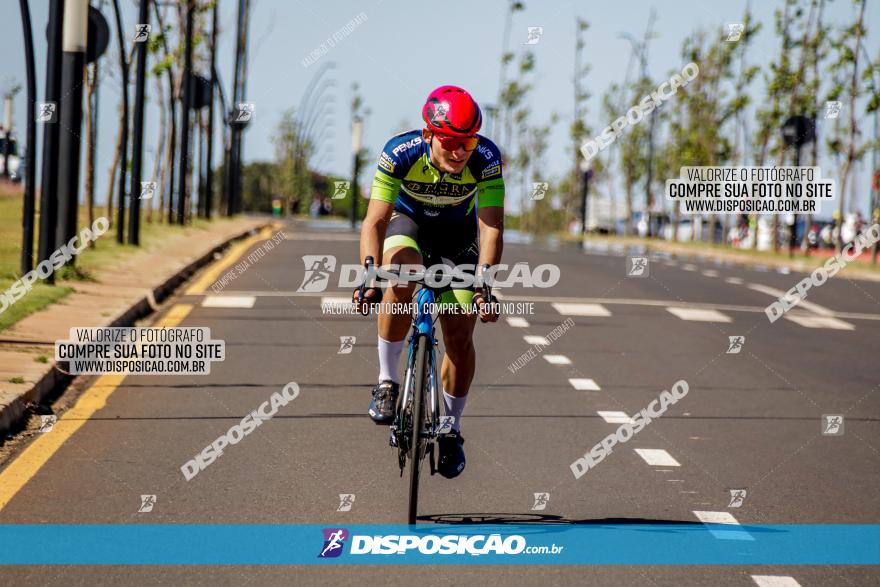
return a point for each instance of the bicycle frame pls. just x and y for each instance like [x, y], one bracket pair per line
[422, 327]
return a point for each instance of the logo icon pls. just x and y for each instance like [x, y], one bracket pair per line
[148, 188]
[346, 344]
[636, 266]
[147, 503]
[446, 423]
[334, 540]
[340, 190]
[737, 497]
[832, 108]
[539, 190]
[534, 35]
[46, 112]
[141, 32]
[735, 344]
[734, 31]
[318, 271]
[47, 423]
[346, 500]
[541, 501]
[243, 113]
[832, 425]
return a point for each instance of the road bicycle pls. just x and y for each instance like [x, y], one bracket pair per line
[417, 421]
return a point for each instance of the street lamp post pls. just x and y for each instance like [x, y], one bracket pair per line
[357, 134]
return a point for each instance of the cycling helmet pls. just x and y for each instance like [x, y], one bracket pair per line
[450, 110]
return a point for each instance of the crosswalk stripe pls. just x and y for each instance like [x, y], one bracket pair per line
[733, 280]
[532, 339]
[657, 457]
[584, 384]
[820, 322]
[710, 273]
[775, 581]
[699, 315]
[228, 302]
[615, 417]
[580, 309]
[689, 267]
[557, 359]
[723, 518]
[518, 322]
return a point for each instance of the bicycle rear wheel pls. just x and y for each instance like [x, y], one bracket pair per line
[417, 446]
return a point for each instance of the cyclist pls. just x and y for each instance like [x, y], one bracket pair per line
[437, 193]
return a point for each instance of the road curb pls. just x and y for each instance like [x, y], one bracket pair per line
[53, 382]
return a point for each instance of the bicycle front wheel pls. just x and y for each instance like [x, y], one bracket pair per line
[417, 446]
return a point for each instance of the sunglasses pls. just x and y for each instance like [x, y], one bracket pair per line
[453, 143]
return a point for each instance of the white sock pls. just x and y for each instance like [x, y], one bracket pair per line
[389, 357]
[454, 408]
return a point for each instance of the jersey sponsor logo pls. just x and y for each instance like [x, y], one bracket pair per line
[493, 169]
[407, 145]
[386, 162]
[456, 190]
[485, 152]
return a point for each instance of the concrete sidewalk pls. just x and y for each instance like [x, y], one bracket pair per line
[118, 296]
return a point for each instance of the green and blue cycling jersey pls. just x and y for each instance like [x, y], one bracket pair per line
[406, 178]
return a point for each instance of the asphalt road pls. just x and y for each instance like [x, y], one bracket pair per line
[751, 419]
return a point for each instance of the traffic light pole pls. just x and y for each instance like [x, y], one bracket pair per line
[73, 61]
[49, 176]
[134, 214]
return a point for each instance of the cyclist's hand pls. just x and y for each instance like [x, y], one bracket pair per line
[372, 298]
[487, 308]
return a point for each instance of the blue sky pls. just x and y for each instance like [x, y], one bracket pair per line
[404, 49]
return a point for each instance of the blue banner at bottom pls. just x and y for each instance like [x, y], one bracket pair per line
[562, 544]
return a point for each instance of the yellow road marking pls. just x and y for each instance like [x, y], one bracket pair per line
[26, 465]
[212, 273]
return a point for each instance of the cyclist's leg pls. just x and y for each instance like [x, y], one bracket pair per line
[401, 248]
[460, 360]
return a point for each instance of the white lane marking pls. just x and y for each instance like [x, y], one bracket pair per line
[581, 309]
[710, 273]
[531, 339]
[699, 315]
[557, 359]
[584, 384]
[775, 581]
[331, 301]
[229, 302]
[778, 293]
[723, 518]
[689, 267]
[657, 457]
[517, 322]
[783, 270]
[615, 417]
[733, 280]
[820, 322]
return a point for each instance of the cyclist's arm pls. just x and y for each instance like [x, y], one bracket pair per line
[373, 229]
[491, 213]
[491, 234]
[382, 196]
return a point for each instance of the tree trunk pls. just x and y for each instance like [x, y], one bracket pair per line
[853, 128]
[158, 168]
